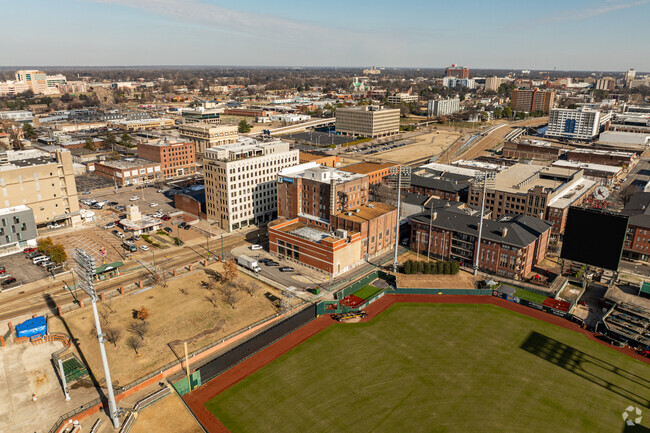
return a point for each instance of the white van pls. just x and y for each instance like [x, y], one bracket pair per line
[40, 259]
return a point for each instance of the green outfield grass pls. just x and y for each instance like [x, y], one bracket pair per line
[530, 296]
[440, 368]
[367, 292]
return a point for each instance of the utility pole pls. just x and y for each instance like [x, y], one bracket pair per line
[222, 258]
[86, 272]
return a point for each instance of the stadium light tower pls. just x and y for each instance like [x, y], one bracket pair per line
[481, 179]
[401, 175]
[85, 268]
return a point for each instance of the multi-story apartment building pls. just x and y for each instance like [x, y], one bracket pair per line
[442, 181]
[203, 115]
[398, 98]
[41, 181]
[455, 83]
[630, 75]
[457, 71]
[367, 121]
[39, 82]
[13, 88]
[142, 124]
[510, 247]
[129, 171]
[492, 84]
[17, 229]
[606, 157]
[541, 192]
[376, 171]
[176, 157]
[316, 192]
[529, 100]
[241, 181]
[606, 83]
[443, 107]
[321, 158]
[578, 124]
[637, 239]
[375, 221]
[207, 135]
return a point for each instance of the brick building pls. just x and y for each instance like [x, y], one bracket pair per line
[540, 150]
[320, 158]
[207, 135]
[129, 171]
[375, 171]
[606, 157]
[437, 181]
[637, 239]
[316, 192]
[375, 221]
[510, 246]
[330, 252]
[176, 157]
[532, 100]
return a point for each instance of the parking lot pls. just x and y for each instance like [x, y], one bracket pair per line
[22, 269]
[123, 196]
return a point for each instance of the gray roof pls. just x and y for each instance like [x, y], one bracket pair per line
[522, 230]
[434, 179]
[638, 209]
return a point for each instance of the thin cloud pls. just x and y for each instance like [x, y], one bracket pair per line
[583, 14]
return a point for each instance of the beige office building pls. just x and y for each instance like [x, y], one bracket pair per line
[492, 83]
[368, 121]
[41, 181]
[206, 135]
[241, 181]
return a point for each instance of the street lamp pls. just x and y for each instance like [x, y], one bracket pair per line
[86, 272]
[482, 179]
[399, 171]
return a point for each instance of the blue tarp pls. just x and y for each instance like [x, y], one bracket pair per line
[32, 327]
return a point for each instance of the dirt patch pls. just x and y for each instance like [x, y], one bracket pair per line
[181, 311]
[463, 280]
[168, 415]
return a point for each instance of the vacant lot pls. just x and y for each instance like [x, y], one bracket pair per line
[168, 415]
[181, 311]
[440, 368]
[426, 145]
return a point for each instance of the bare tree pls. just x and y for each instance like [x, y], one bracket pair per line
[212, 298]
[113, 335]
[214, 275]
[104, 314]
[134, 343]
[139, 328]
[230, 295]
[250, 287]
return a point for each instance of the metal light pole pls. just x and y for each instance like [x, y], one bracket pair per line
[86, 272]
[485, 178]
[429, 239]
[406, 171]
[222, 259]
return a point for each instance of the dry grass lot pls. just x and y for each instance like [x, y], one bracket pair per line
[426, 145]
[463, 280]
[168, 415]
[178, 313]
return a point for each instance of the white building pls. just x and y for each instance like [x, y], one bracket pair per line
[398, 98]
[579, 124]
[241, 181]
[455, 82]
[492, 83]
[443, 107]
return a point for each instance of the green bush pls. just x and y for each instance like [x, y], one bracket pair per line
[426, 268]
[455, 267]
[407, 267]
[439, 267]
[446, 268]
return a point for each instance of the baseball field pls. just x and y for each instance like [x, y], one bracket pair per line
[440, 368]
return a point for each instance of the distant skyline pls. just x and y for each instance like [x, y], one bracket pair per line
[590, 35]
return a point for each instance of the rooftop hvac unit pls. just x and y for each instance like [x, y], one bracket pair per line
[341, 233]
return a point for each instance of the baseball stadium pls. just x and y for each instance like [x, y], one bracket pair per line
[425, 361]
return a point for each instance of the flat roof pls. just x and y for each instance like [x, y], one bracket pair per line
[13, 209]
[508, 179]
[319, 173]
[589, 166]
[130, 163]
[370, 211]
[311, 233]
[577, 190]
[450, 169]
[366, 167]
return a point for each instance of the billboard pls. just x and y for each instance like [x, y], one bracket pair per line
[594, 237]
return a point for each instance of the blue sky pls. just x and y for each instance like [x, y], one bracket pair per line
[569, 34]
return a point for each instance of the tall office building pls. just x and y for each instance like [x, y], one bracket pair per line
[241, 181]
[532, 100]
[492, 83]
[606, 83]
[578, 124]
[207, 135]
[39, 82]
[367, 121]
[443, 107]
[457, 71]
[630, 74]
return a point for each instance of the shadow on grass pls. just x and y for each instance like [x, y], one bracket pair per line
[588, 367]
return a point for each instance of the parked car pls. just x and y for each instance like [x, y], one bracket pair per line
[134, 198]
[29, 250]
[38, 259]
[3, 276]
[153, 204]
[256, 247]
[120, 235]
[8, 281]
[286, 269]
[120, 208]
[33, 254]
[46, 263]
[272, 263]
[264, 260]
[182, 224]
[167, 229]
[2, 270]
[144, 248]
[112, 203]
[165, 217]
[187, 227]
[160, 190]
[85, 193]
[110, 225]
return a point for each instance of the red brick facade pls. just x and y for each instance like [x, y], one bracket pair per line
[176, 158]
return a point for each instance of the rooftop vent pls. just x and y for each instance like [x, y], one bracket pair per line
[504, 232]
